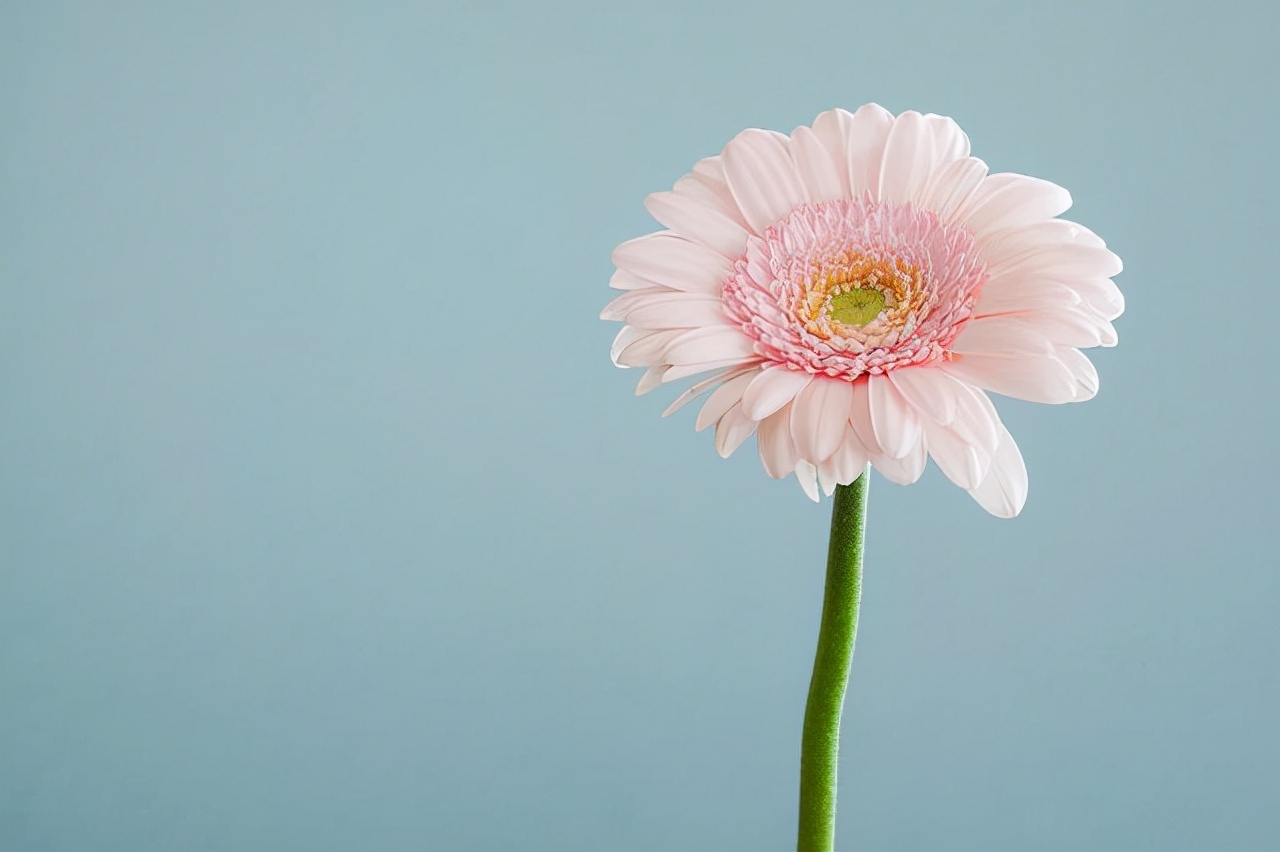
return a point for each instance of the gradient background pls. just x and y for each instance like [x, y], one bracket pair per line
[326, 523]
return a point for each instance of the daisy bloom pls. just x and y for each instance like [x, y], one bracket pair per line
[855, 290]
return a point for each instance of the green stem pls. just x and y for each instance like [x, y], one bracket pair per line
[820, 746]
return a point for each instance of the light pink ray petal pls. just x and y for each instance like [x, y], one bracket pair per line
[684, 371]
[717, 343]
[849, 461]
[703, 386]
[1080, 328]
[807, 476]
[706, 185]
[762, 177]
[1001, 333]
[977, 423]
[832, 129]
[1007, 200]
[677, 310]
[827, 476]
[956, 458]
[647, 350]
[931, 391]
[824, 179]
[819, 416]
[895, 423]
[732, 430]
[1017, 296]
[864, 148]
[777, 448]
[625, 338]
[1035, 378]
[651, 379]
[697, 221]
[623, 280]
[618, 308]
[952, 185]
[671, 261]
[860, 418]
[906, 470]
[916, 148]
[772, 388]
[721, 400]
[1003, 492]
[1101, 294]
[1049, 250]
[1082, 370]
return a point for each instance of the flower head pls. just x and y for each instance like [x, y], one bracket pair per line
[855, 289]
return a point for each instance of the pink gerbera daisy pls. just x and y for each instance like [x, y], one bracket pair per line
[857, 288]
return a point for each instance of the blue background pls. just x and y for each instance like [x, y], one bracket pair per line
[326, 523]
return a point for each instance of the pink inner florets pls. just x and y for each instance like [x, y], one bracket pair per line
[788, 287]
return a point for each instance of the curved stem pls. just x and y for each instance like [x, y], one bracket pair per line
[820, 746]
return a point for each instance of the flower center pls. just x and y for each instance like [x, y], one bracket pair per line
[856, 307]
[855, 286]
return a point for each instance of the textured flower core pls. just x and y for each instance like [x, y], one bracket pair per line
[855, 286]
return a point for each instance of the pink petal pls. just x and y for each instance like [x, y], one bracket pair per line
[1035, 378]
[707, 185]
[695, 220]
[684, 371]
[699, 345]
[906, 470]
[807, 476]
[864, 148]
[956, 458]
[819, 417]
[671, 261]
[1003, 492]
[1007, 200]
[860, 417]
[777, 449]
[1082, 370]
[677, 310]
[952, 186]
[721, 400]
[732, 430]
[832, 128]
[620, 306]
[930, 391]
[651, 379]
[702, 387]
[1002, 333]
[762, 177]
[771, 389]
[647, 350]
[824, 178]
[916, 148]
[625, 338]
[895, 423]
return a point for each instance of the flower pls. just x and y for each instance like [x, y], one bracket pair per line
[857, 288]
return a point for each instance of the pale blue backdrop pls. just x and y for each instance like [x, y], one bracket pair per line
[326, 524]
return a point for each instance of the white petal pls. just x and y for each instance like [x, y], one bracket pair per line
[671, 261]
[1012, 296]
[833, 128]
[1007, 200]
[732, 430]
[699, 345]
[1003, 492]
[677, 310]
[807, 476]
[977, 423]
[777, 449]
[895, 423]
[771, 389]
[721, 400]
[819, 417]
[1101, 294]
[1080, 328]
[1036, 378]
[695, 220]
[706, 184]
[762, 177]
[827, 477]
[849, 461]
[864, 148]
[1049, 250]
